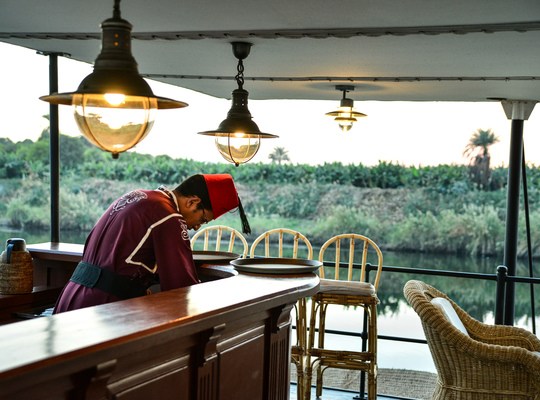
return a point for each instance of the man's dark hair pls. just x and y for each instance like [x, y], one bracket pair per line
[195, 185]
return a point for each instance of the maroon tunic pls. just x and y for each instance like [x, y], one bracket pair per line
[142, 234]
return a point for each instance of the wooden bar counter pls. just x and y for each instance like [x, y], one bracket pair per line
[227, 338]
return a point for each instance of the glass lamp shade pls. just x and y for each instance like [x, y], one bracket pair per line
[345, 116]
[114, 122]
[238, 136]
[114, 109]
[114, 106]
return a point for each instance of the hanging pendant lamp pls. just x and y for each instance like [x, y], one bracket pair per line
[238, 136]
[345, 116]
[114, 107]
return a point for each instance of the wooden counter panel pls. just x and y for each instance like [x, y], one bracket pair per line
[162, 371]
[242, 368]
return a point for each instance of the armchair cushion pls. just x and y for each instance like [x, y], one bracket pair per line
[449, 313]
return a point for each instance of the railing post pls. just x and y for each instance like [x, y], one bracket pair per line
[502, 278]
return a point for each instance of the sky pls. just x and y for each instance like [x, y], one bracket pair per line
[405, 133]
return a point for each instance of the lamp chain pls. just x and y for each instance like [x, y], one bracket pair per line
[240, 75]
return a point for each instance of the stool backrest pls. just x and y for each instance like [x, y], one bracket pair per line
[275, 241]
[348, 250]
[223, 238]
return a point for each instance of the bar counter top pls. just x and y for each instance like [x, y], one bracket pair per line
[178, 332]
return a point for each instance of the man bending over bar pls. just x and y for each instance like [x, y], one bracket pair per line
[144, 235]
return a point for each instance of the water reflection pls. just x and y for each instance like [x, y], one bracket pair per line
[475, 296]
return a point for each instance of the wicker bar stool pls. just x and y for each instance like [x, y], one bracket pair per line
[347, 287]
[301, 248]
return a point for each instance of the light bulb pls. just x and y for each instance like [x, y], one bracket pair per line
[345, 126]
[115, 99]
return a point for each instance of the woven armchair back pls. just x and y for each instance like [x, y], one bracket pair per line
[491, 362]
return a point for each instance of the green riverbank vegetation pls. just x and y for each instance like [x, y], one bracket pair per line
[442, 209]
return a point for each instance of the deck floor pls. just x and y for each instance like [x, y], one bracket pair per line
[394, 383]
[336, 394]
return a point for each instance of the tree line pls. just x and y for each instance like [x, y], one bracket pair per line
[445, 208]
[80, 158]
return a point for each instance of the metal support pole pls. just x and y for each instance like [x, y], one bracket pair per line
[512, 215]
[517, 111]
[54, 147]
[54, 151]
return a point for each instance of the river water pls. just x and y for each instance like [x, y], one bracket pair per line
[395, 317]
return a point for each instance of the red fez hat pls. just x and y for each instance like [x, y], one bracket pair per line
[224, 197]
[222, 193]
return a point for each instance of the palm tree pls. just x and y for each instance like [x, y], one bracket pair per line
[478, 152]
[279, 155]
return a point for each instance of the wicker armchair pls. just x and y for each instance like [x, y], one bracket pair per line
[216, 233]
[475, 360]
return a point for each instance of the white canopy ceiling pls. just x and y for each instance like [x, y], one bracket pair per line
[415, 50]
